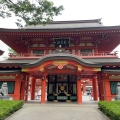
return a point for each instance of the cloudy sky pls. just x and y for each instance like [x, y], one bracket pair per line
[108, 10]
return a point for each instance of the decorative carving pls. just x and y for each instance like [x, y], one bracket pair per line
[41, 68]
[96, 69]
[60, 64]
[79, 68]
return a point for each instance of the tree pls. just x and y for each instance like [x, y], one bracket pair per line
[39, 12]
[11, 52]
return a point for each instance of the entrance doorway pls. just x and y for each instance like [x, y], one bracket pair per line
[62, 88]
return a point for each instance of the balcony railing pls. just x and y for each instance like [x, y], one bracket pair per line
[90, 55]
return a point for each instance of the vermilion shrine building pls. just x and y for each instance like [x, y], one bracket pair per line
[64, 56]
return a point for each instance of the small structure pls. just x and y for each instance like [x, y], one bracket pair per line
[4, 91]
[118, 91]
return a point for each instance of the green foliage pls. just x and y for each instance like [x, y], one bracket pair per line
[12, 51]
[41, 11]
[111, 109]
[7, 107]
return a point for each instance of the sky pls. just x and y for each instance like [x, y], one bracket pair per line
[107, 10]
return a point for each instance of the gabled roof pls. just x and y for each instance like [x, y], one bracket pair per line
[89, 61]
[61, 56]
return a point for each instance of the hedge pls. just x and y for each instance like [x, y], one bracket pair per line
[7, 107]
[111, 109]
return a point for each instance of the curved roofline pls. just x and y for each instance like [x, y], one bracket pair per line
[61, 56]
[24, 30]
[76, 21]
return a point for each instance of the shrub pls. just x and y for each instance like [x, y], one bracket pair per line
[8, 107]
[111, 109]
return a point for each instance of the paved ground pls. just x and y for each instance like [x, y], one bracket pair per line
[59, 111]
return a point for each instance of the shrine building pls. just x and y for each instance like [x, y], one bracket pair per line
[62, 58]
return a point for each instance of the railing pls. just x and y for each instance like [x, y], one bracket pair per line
[90, 55]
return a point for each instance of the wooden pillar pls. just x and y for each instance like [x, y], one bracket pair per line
[84, 88]
[43, 90]
[26, 87]
[17, 88]
[22, 93]
[100, 87]
[33, 88]
[95, 93]
[79, 92]
[22, 90]
[99, 90]
[107, 92]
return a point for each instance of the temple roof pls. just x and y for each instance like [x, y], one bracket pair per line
[102, 36]
[101, 61]
[68, 24]
[54, 26]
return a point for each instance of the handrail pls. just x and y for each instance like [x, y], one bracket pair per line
[89, 55]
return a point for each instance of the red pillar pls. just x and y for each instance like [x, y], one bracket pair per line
[22, 94]
[33, 88]
[26, 88]
[95, 93]
[17, 88]
[79, 92]
[43, 90]
[101, 88]
[107, 92]
[22, 91]
[84, 88]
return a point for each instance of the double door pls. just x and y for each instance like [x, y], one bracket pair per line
[61, 87]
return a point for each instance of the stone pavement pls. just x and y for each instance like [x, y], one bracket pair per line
[58, 111]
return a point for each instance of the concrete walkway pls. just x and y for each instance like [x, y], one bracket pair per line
[58, 111]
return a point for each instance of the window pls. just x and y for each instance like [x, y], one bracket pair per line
[113, 86]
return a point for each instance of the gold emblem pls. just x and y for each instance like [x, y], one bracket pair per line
[25, 70]
[60, 64]
[62, 88]
[96, 69]
[41, 68]
[79, 68]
